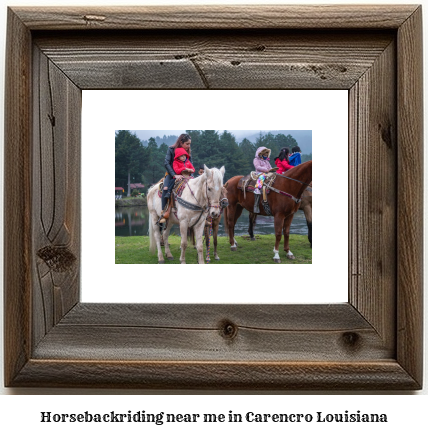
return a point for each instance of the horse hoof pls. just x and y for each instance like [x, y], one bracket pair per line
[171, 258]
[277, 261]
[291, 257]
[234, 249]
[161, 262]
[217, 258]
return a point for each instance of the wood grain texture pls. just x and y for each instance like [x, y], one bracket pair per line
[217, 17]
[56, 198]
[374, 198]
[17, 198]
[198, 332]
[385, 375]
[216, 60]
[372, 342]
[410, 193]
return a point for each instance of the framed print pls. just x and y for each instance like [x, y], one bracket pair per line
[325, 112]
[372, 341]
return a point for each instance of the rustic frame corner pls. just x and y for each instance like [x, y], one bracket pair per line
[372, 342]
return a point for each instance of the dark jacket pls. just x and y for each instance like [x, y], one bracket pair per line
[169, 159]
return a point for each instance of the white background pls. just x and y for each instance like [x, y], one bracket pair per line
[323, 112]
[16, 412]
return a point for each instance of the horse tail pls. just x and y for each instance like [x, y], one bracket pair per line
[225, 221]
[150, 198]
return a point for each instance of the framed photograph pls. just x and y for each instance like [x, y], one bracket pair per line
[324, 111]
[372, 341]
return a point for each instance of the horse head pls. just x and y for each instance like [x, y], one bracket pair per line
[223, 197]
[214, 185]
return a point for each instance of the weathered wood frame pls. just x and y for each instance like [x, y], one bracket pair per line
[372, 342]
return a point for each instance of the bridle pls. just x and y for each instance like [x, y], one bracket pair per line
[210, 205]
[198, 207]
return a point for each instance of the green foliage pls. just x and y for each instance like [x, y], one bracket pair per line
[146, 164]
[306, 157]
[130, 156]
[135, 192]
[154, 168]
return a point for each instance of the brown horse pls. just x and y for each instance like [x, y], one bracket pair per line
[283, 201]
[305, 205]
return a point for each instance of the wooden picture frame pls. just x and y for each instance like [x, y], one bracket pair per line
[372, 342]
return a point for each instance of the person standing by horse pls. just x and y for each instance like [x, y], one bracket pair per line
[184, 142]
[295, 156]
[282, 161]
[262, 166]
[201, 170]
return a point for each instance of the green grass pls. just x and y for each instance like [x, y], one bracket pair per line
[135, 250]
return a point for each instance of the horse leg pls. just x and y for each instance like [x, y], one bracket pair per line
[166, 243]
[183, 232]
[234, 215]
[286, 231]
[308, 215]
[193, 238]
[215, 233]
[278, 225]
[199, 231]
[252, 221]
[206, 233]
[155, 232]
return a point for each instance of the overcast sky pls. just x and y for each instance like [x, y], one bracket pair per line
[146, 134]
[239, 134]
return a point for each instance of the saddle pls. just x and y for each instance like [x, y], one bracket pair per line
[248, 183]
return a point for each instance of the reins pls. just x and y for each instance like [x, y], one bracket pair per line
[283, 193]
[292, 179]
[197, 207]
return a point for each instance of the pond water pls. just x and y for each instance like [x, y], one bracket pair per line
[134, 221]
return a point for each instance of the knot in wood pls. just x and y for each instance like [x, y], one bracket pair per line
[227, 329]
[351, 340]
[58, 259]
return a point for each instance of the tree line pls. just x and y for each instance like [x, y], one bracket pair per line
[138, 161]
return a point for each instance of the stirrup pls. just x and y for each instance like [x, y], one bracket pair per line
[160, 222]
[165, 213]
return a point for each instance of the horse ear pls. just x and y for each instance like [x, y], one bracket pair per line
[206, 170]
[225, 185]
[222, 170]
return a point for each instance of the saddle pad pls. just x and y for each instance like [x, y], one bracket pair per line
[179, 187]
[251, 187]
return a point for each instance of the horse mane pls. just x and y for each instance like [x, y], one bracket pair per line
[295, 171]
[298, 168]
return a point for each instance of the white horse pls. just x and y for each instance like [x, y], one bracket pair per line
[200, 198]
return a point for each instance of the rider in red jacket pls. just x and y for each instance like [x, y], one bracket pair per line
[182, 162]
[282, 161]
